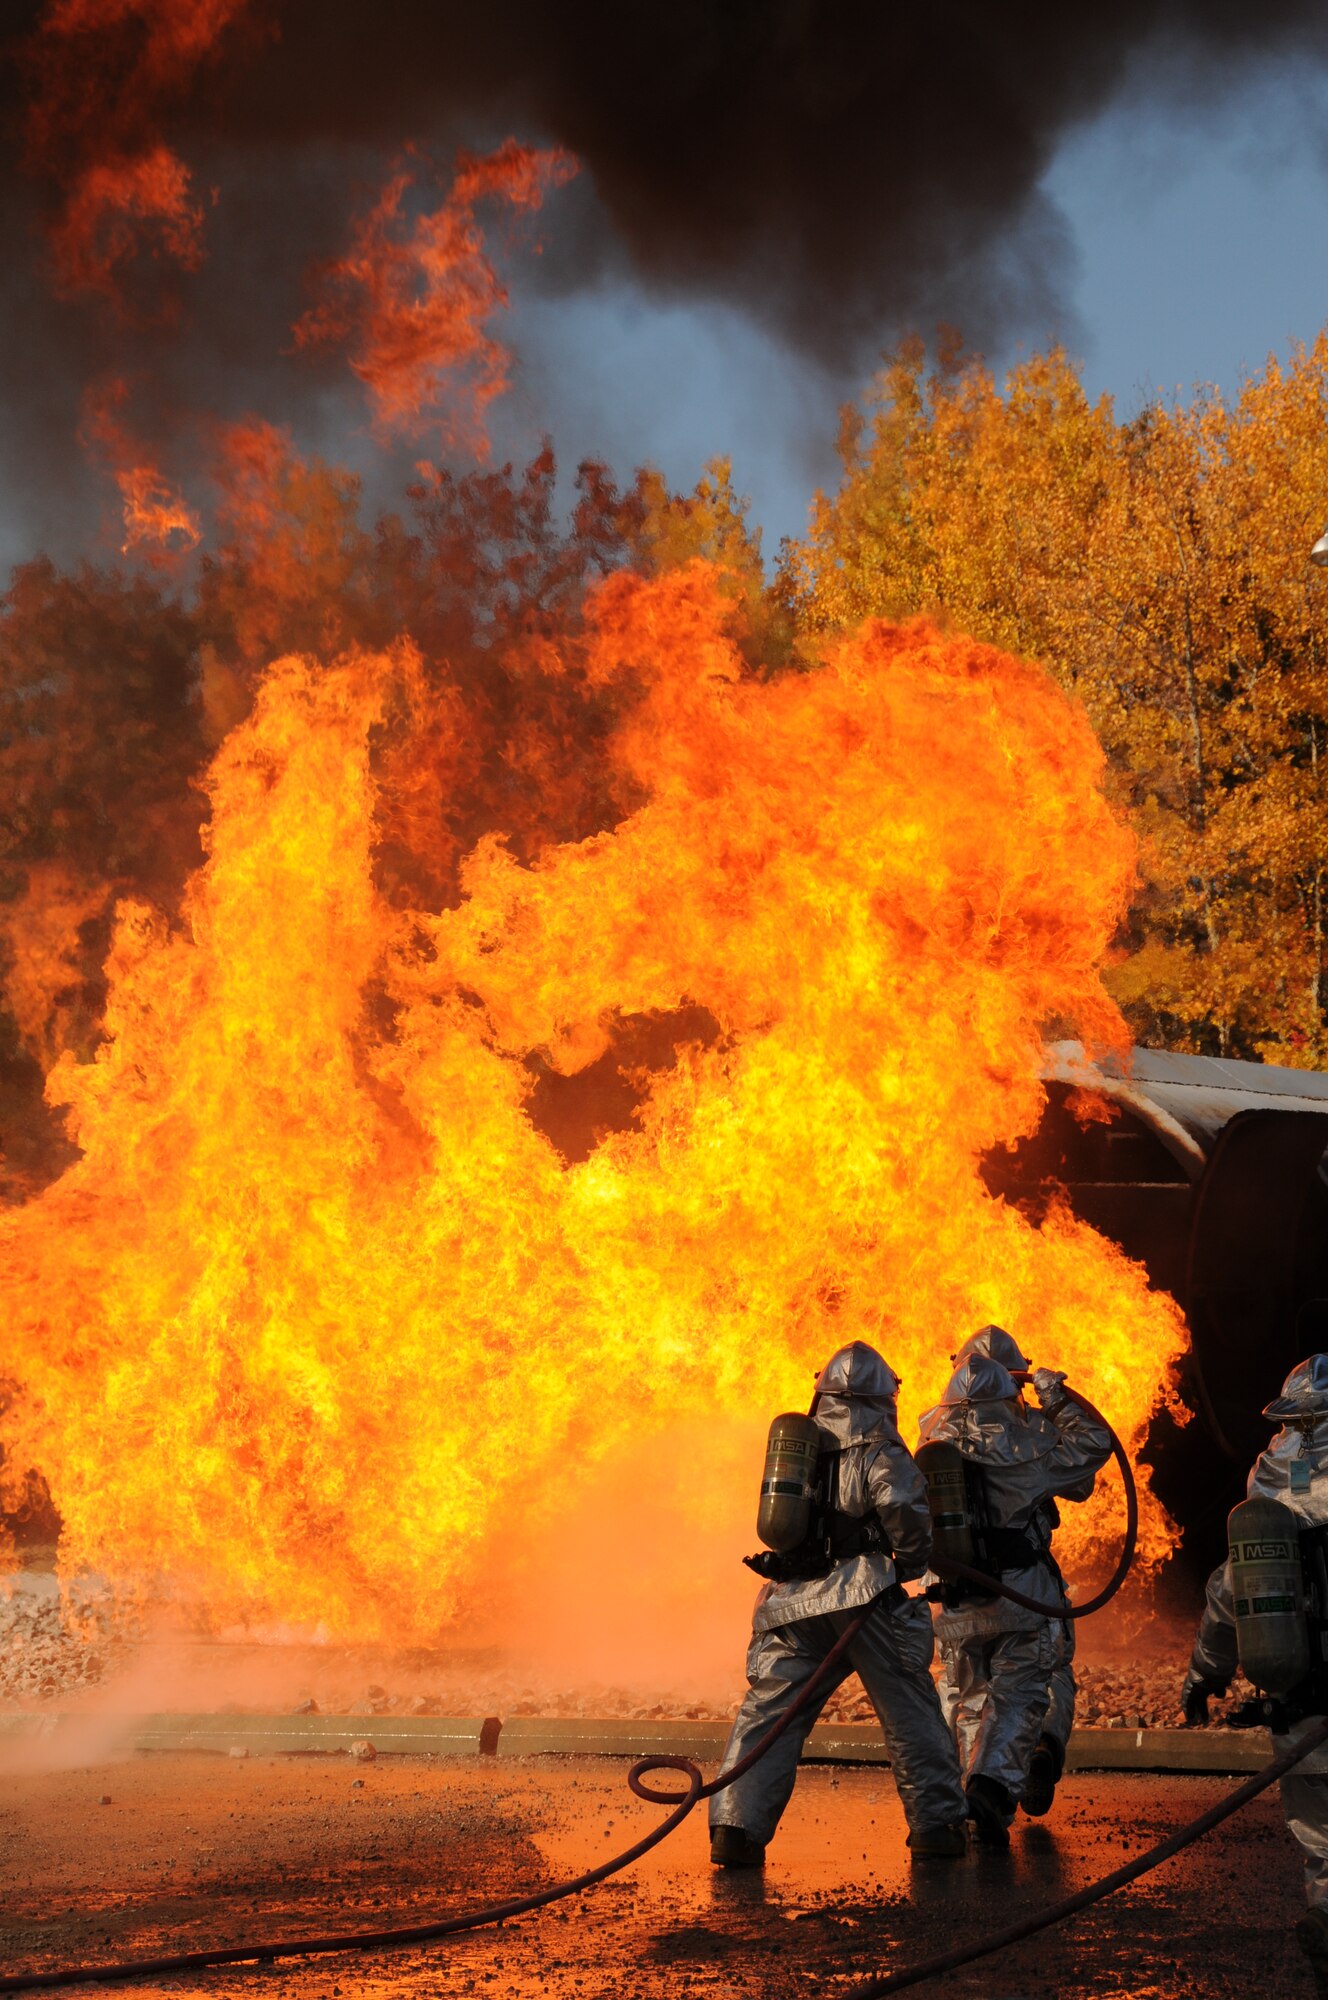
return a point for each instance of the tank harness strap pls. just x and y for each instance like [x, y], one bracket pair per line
[1014, 1548]
[999, 1550]
[860, 1536]
[844, 1537]
[1313, 1540]
[1311, 1697]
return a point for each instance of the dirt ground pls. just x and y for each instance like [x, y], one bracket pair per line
[195, 1850]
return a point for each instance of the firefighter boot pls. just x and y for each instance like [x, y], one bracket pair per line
[733, 1847]
[1312, 1937]
[1044, 1771]
[991, 1809]
[946, 1843]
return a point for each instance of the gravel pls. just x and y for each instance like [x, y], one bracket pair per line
[53, 1646]
[56, 1650]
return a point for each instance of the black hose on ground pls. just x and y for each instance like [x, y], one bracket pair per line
[682, 1803]
[494, 1913]
[870, 1989]
[1106, 1885]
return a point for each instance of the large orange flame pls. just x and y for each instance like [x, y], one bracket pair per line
[323, 1322]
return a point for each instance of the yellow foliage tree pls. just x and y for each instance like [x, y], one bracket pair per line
[1158, 566]
[666, 530]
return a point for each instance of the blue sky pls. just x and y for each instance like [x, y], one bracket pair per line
[1199, 244]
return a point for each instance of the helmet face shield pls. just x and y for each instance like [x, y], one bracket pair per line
[981, 1380]
[1304, 1393]
[996, 1345]
[857, 1373]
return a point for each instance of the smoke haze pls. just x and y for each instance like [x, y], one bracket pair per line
[835, 172]
[776, 175]
[832, 168]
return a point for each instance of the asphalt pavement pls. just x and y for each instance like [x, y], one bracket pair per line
[172, 1852]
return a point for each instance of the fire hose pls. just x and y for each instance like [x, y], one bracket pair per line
[991, 1588]
[1106, 1885]
[682, 1804]
[870, 1989]
[495, 1913]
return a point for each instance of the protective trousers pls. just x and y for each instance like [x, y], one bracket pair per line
[1061, 1689]
[999, 1688]
[892, 1655]
[1305, 1803]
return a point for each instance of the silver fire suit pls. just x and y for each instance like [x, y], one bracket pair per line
[795, 1624]
[1062, 1692]
[1294, 1470]
[1062, 1688]
[1003, 1665]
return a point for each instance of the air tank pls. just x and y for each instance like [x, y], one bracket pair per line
[942, 1466]
[788, 1484]
[1268, 1586]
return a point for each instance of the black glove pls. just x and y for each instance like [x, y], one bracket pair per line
[1195, 1696]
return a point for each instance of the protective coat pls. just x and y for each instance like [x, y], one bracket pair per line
[1304, 1400]
[855, 1404]
[1062, 1688]
[795, 1624]
[1006, 1673]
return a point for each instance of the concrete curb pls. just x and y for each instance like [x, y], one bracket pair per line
[1223, 1752]
[264, 1735]
[1217, 1752]
[577, 1736]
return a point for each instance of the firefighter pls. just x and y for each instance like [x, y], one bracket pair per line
[878, 1529]
[998, 1658]
[1047, 1762]
[1294, 1471]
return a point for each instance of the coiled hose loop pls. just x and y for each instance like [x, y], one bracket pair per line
[494, 1913]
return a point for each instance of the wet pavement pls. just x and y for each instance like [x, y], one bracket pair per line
[193, 1851]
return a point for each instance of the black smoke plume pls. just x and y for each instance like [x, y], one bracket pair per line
[835, 167]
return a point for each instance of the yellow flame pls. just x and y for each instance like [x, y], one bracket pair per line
[322, 1321]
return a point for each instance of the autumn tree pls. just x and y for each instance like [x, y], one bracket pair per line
[99, 738]
[1158, 566]
[665, 530]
